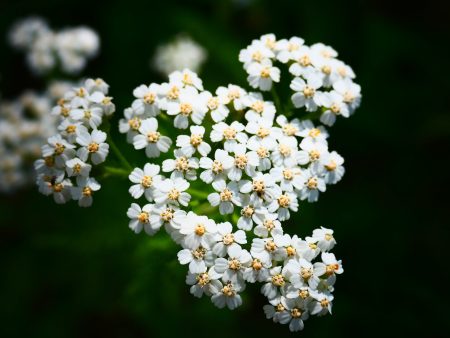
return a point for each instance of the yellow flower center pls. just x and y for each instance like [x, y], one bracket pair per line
[284, 201]
[314, 132]
[240, 161]
[213, 103]
[312, 183]
[87, 191]
[278, 280]
[182, 164]
[314, 155]
[265, 72]
[149, 98]
[228, 239]
[143, 217]
[258, 106]
[331, 166]
[304, 60]
[263, 132]
[147, 181]
[153, 136]
[174, 194]
[296, 313]
[93, 147]
[203, 279]
[256, 264]
[196, 140]
[59, 148]
[217, 167]
[226, 195]
[200, 230]
[71, 129]
[247, 211]
[308, 91]
[234, 264]
[135, 123]
[185, 108]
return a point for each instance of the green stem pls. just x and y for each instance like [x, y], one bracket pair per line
[119, 154]
[276, 100]
[119, 172]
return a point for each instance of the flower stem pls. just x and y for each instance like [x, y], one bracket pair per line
[119, 154]
[119, 172]
[276, 100]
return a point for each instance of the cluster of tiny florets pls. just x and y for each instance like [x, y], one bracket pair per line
[254, 166]
[64, 170]
[46, 49]
[321, 82]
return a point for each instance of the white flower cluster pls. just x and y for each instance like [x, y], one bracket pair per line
[68, 157]
[321, 82]
[255, 166]
[181, 53]
[24, 125]
[46, 49]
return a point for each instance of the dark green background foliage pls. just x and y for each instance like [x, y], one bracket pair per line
[68, 272]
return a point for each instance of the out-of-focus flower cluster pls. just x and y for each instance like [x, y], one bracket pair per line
[321, 82]
[66, 167]
[69, 49]
[24, 125]
[181, 53]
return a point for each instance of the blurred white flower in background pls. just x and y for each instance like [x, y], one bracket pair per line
[68, 49]
[181, 53]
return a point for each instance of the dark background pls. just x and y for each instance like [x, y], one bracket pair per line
[69, 272]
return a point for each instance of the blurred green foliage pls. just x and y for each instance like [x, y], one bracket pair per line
[68, 272]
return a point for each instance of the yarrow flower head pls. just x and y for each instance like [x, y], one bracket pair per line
[70, 155]
[227, 171]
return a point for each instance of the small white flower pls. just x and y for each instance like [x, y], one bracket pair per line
[261, 75]
[286, 153]
[226, 239]
[350, 91]
[92, 145]
[274, 282]
[57, 186]
[334, 170]
[217, 107]
[306, 94]
[216, 169]
[84, 190]
[286, 48]
[261, 187]
[150, 139]
[232, 94]
[243, 162]
[232, 267]
[232, 134]
[226, 197]
[59, 147]
[264, 134]
[268, 225]
[295, 314]
[182, 166]
[289, 128]
[172, 191]
[190, 144]
[282, 203]
[228, 296]
[91, 116]
[289, 178]
[302, 273]
[130, 124]
[76, 167]
[187, 78]
[255, 53]
[146, 102]
[325, 239]
[303, 59]
[198, 259]
[198, 231]
[204, 283]
[266, 250]
[189, 104]
[145, 181]
[313, 185]
[335, 106]
[322, 303]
